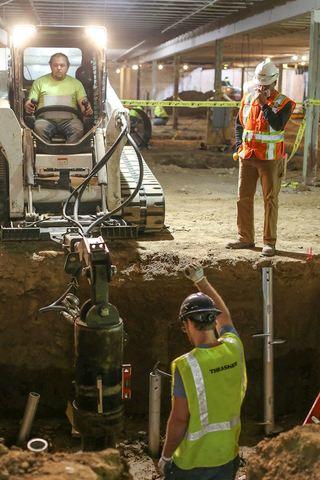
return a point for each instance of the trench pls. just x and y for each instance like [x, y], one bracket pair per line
[37, 349]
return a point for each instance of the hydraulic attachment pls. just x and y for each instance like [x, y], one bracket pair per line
[101, 381]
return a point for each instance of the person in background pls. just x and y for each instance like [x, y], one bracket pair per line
[161, 116]
[259, 132]
[58, 88]
[209, 385]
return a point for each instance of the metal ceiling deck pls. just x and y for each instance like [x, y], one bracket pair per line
[128, 21]
[136, 26]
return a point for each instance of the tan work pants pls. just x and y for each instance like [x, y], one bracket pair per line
[270, 173]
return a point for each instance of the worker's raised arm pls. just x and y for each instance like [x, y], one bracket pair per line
[196, 275]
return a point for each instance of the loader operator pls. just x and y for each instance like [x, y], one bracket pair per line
[259, 133]
[209, 384]
[58, 88]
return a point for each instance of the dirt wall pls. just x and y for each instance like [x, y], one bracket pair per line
[37, 349]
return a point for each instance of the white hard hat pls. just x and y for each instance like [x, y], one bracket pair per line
[265, 73]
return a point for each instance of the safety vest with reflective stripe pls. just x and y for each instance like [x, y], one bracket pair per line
[259, 139]
[215, 382]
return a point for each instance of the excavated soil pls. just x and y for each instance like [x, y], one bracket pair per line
[293, 455]
[37, 349]
[106, 465]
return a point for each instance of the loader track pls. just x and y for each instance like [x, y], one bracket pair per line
[147, 209]
[4, 196]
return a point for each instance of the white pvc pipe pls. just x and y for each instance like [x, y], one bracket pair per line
[268, 349]
[28, 417]
[37, 445]
[154, 413]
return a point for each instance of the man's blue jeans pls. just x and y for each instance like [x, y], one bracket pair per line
[225, 472]
[71, 129]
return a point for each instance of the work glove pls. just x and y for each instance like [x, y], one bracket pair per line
[194, 273]
[162, 463]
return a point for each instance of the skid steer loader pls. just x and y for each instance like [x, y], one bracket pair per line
[101, 184]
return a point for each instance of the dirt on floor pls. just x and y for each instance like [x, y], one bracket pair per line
[200, 189]
[106, 465]
[294, 455]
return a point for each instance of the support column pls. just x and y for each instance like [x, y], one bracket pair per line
[312, 114]
[242, 79]
[125, 82]
[138, 82]
[176, 91]
[218, 119]
[154, 80]
[218, 69]
[280, 77]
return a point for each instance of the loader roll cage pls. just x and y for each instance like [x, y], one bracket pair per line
[91, 72]
[100, 184]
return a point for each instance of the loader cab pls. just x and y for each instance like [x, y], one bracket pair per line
[31, 50]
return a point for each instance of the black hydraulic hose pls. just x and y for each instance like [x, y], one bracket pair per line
[128, 199]
[104, 160]
[80, 189]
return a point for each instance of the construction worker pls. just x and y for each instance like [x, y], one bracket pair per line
[259, 132]
[209, 384]
[161, 116]
[58, 88]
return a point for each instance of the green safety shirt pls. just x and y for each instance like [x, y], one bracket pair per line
[48, 91]
[215, 383]
[134, 113]
[160, 112]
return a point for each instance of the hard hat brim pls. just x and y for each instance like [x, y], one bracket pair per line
[186, 315]
[265, 81]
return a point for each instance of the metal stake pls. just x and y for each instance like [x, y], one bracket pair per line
[154, 412]
[268, 349]
[268, 342]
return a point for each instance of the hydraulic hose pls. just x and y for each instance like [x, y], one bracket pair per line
[133, 194]
[78, 192]
[104, 160]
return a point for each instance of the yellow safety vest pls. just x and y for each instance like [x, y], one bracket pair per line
[215, 384]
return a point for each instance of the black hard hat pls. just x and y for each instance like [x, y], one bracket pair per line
[199, 308]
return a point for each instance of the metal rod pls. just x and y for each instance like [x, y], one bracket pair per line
[268, 349]
[28, 417]
[154, 413]
[30, 201]
[100, 394]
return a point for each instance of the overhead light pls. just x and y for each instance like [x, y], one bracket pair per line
[304, 57]
[268, 59]
[294, 58]
[118, 70]
[225, 66]
[185, 67]
[98, 35]
[135, 67]
[285, 65]
[22, 33]
[160, 66]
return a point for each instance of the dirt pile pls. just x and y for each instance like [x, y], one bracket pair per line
[293, 455]
[106, 465]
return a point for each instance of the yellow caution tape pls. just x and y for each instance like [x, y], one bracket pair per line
[179, 103]
[213, 104]
[198, 104]
[298, 139]
[312, 102]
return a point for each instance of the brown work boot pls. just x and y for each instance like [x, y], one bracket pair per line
[238, 244]
[268, 250]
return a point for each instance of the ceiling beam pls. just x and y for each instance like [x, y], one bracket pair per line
[289, 9]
